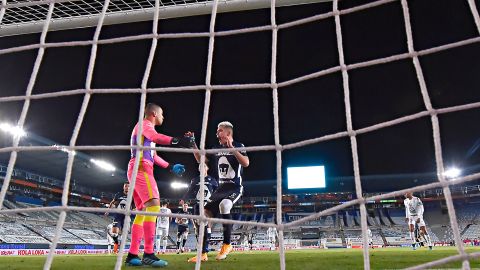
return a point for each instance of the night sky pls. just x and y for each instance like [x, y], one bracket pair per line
[308, 109]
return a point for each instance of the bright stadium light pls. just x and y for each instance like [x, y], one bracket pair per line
[103, 164]
[178, 185]
[13, 130]
[452, 172]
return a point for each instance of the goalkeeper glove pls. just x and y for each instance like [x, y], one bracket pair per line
[184, 142]
[177, 169]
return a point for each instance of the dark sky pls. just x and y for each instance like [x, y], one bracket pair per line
[307, 110]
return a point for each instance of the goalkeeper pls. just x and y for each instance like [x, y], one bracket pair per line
[145, 192]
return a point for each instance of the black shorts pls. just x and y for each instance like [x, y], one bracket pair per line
[196, 209]
[118, 220]
[182, 229]
[225, 191]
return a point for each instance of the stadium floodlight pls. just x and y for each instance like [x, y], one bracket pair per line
[178, 185]
[103, 164]
[452, 172]
[13, 130]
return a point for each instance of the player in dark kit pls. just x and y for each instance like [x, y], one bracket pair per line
[229, 168]
[182, 233]
[210, 185]
[119, 201]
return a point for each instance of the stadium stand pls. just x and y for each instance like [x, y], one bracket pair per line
[49, 232]
[41, 216]
[328, 221]
[396, 231]
[88, 236]
[472, 232]
[384, 220]
[95, 220]
[73, 217]
[397, 216]
[17, 233]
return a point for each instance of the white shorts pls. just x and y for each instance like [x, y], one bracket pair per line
[162, 232]
[413, 221]
[110, 240]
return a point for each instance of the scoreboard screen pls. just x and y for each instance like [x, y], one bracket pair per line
[306, 177]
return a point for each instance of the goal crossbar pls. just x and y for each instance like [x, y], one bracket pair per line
[28, 17]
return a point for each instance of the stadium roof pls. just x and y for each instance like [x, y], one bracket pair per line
[53, 164]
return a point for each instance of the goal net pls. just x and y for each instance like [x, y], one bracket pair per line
[18, 17]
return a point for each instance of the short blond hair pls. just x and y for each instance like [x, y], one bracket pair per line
[225, 124]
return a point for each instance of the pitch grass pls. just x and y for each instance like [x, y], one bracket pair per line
[386, 258]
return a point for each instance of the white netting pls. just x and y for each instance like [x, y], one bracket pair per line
[278, 147]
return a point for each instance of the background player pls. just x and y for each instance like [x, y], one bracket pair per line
[110, 239]
[414, 215]
[145, 193]
[163, 225]
[229, 169]
[370, 237]
[272, 234]
[250, 237]
[420, 240]
[182, 234]
[120, 202]
[210, 185]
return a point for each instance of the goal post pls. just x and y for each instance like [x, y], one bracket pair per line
[28, 17]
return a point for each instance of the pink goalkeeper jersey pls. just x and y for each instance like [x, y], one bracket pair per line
[150, 138]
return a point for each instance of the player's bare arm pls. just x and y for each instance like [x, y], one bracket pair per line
[243, 160]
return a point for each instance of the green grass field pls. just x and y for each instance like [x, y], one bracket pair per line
[386, 258]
